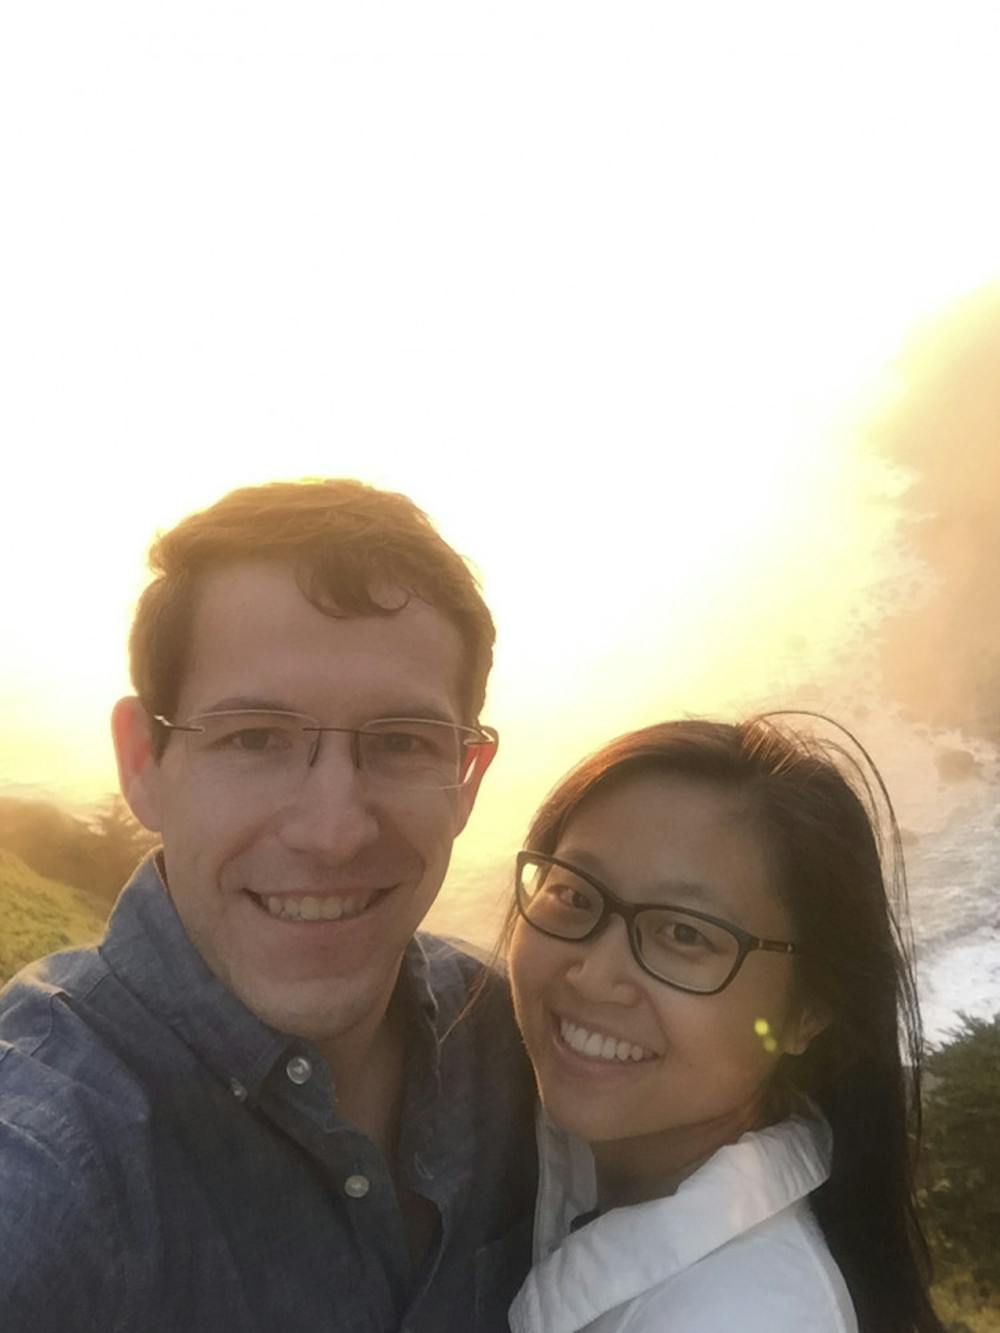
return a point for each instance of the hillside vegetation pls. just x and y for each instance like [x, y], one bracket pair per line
[40, 915]
[95, 852]
[961, 1175]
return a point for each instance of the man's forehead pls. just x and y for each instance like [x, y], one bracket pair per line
[254, 629]
[248, 582]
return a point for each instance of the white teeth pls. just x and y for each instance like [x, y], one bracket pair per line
[598, 1047]
[309, 907]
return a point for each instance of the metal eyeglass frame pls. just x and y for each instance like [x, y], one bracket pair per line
[484, 736]
[612, 905]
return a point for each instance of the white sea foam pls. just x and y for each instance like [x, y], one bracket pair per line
[954, 877]
[963, 977]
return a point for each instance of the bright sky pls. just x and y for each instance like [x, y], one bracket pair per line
[605, 288]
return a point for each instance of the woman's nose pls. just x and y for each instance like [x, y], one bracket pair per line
[603, 969]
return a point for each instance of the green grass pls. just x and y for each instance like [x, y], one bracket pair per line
[39, 916]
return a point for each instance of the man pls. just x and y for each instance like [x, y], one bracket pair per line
[262, 1103]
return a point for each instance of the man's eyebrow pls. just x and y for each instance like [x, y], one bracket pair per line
[249, 703]
[257, 704]
[422, 711]
[427, 713]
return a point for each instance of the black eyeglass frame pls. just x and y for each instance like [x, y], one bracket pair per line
[612, 905]
[477, 735]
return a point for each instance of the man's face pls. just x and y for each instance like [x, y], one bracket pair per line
[232, 852]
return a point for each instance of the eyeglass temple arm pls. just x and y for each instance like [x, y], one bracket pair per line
[173, 726]
[481, 751]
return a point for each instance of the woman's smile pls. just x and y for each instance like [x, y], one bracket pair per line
[593, 1044]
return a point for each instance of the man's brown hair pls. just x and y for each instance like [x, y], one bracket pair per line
[349, 545]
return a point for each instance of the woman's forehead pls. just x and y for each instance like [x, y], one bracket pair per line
[652, 834]
[668, 801]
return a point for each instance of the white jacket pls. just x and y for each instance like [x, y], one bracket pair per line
[735, 1250]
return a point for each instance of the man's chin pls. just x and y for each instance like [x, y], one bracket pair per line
[318, 1009]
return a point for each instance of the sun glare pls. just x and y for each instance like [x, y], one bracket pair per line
[611, 324]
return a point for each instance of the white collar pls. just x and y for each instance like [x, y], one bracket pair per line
[740, 1186]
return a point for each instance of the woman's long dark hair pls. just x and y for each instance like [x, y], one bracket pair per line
[820, 815]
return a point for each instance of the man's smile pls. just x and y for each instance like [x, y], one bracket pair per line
[318, 907]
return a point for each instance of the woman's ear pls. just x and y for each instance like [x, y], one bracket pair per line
[805, 1027]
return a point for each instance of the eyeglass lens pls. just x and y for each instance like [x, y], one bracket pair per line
[675, 945]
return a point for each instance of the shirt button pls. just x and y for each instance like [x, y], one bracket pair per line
[298, 1069]
[356, 1187]
[237, 1089]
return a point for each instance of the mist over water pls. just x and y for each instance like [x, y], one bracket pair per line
[941, 655]
[916, 675]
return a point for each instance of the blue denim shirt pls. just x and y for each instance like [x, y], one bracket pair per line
[168, 1162]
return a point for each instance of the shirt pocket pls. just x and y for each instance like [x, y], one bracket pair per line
[500, 1268]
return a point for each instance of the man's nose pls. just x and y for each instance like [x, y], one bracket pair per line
[603, 969]
[331, 812]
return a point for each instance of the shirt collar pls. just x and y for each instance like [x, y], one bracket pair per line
[740, 1186]
[151, 953]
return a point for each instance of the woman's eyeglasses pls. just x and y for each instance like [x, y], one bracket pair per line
[688, 950]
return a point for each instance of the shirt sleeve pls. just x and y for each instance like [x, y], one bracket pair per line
[58, 1269]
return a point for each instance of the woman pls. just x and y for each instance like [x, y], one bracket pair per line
[710, 984]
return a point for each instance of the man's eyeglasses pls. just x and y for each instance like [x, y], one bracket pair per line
[688, 950]
[249, 746]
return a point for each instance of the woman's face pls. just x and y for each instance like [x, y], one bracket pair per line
[705, 1059]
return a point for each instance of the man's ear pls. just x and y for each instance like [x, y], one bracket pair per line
[138, 767]
[481, 756]
[811, 1020]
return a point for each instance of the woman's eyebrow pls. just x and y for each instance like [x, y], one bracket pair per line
[666, 891]
[584, 860]
[678, 892]
[687, 893]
